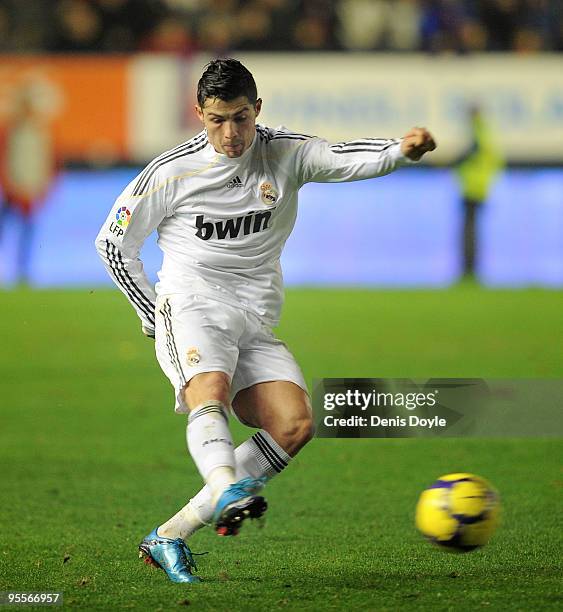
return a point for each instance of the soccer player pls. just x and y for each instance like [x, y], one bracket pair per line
[224, 203]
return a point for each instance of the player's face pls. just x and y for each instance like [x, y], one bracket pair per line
[231, 126]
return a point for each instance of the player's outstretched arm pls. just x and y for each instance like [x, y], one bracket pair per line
[416, 142]
[318, 161]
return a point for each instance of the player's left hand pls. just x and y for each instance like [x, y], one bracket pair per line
[416, 142]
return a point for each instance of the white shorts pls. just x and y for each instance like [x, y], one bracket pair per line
[196, 334]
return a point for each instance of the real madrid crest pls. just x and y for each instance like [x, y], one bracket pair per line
[268, 194]
[192, 356]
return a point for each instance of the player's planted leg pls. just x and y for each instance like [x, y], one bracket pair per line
[172, 555]
[280, 408]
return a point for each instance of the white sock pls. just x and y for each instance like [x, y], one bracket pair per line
[181, 525]
[260, 456]
[211, 445]
[219, 479]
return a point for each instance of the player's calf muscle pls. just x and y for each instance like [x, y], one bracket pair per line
[292, 435]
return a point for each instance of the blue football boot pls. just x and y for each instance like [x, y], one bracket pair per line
[173, 556]
[239, 502]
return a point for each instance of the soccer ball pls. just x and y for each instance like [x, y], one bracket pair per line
[459, 512]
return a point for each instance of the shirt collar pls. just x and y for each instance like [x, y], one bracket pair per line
[235, 161]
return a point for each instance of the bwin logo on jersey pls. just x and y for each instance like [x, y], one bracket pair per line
[251, 223]
[236, 182]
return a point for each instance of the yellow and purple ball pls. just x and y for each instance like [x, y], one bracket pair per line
[458, 512]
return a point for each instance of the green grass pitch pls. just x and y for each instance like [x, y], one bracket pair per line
[92, 457]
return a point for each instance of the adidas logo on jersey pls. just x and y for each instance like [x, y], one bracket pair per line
[236, 182]
[251, 223]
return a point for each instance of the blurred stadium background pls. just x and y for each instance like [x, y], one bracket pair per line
[113, 81]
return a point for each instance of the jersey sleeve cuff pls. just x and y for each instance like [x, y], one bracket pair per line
[397, 155]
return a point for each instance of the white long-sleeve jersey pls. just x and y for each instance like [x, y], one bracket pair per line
[222, 222]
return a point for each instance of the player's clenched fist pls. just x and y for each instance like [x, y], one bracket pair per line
[416, 142]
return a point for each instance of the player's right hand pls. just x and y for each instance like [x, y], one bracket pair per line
[148, 331]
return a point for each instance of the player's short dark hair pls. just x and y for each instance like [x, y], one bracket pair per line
[226, 79]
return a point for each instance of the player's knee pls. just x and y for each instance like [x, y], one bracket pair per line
[207, 386]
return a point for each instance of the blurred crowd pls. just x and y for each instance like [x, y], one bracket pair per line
[219, 26]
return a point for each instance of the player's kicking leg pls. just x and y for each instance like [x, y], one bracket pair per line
[282, 413]
[211, 447]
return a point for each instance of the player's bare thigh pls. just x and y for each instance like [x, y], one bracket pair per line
[281, 408]
[207, 386]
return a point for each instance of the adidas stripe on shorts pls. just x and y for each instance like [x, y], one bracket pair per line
[196, 334]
